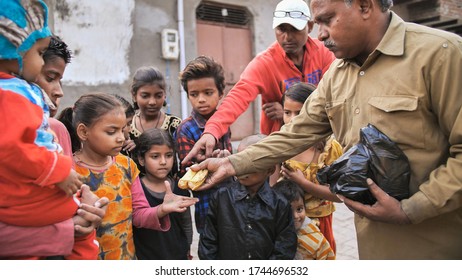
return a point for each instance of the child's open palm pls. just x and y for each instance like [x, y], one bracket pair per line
[175, 203]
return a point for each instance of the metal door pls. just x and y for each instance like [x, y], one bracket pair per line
[230, 45]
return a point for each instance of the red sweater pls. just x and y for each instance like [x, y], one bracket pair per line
[270, 73]
[28, 168]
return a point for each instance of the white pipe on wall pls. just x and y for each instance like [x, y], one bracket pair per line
[184, 99]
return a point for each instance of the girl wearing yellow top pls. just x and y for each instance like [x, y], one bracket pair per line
[302, 168]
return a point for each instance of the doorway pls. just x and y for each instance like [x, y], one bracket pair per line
[223, 32]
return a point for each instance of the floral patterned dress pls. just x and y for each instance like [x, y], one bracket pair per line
[115, 234]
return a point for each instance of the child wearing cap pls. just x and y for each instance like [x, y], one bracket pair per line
[36, 179]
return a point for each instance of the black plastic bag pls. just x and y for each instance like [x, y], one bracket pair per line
[375, 157]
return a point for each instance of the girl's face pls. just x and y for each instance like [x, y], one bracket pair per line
[158, 161]
[33, 60]
[298, 211]
[128, 124]
[105, 136]
[291, 109]
[49, 80]
[203, 95]
[150, 100]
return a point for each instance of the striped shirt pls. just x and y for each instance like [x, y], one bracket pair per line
[312, 245]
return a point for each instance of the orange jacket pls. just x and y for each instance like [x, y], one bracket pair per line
[270, 73]
[30, 163]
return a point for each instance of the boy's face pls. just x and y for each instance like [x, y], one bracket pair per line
[298, 210]
[33, 60]
[49, 80]
[203, 95]
[254, 180]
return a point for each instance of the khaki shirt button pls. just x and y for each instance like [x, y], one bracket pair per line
[361, 73]
[330, 118]
[357, 111]
[445, 45]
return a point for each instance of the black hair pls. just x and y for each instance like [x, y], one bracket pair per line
[289, 190]
[147, 75]
[129, 110]
[57, 48]
[203, 67]
[385, 5]
[298, 92]
[87, 110]
[151, 137]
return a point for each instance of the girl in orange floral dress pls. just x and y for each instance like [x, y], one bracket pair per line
[302, 168]
[97, 121]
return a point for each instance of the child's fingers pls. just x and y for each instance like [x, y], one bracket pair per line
[168, 189]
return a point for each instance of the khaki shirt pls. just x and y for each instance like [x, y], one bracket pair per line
[410, 88]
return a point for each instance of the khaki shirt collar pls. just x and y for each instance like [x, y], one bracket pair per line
[392, 43]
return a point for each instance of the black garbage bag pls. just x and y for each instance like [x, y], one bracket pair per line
[375, 157]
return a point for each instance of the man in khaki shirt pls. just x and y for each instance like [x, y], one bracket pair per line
[406, 80]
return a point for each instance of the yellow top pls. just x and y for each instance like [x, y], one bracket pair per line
[317, 207]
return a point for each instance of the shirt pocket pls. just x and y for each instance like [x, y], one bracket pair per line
[336, 112]
[399, 118]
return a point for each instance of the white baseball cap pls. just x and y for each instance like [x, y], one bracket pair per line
[285, 12]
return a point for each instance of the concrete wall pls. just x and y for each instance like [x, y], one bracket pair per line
[111, 39]
[451, 8]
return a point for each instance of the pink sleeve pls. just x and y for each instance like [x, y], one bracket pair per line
[64, 139]
[145, 216]
[52, 240]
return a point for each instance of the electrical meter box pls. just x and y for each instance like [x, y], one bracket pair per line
[170, 44]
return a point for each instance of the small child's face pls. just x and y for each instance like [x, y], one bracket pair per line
[49, 80]
[203, 95]
[291, 109]
[33, 60]
[158, 161]
[150, 100]
[298, 210]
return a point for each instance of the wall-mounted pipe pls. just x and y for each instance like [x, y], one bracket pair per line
[184, 99]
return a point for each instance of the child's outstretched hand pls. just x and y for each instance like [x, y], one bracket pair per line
[173, 202]
[72, 183]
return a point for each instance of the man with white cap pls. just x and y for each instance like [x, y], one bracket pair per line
[294, 57]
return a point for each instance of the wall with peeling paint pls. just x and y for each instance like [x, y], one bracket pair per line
[111, 39]
[99, 33]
